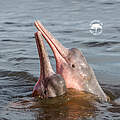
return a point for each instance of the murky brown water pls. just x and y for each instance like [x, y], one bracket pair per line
[69, 21]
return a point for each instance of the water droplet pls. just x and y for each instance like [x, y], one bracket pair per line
[96, 27]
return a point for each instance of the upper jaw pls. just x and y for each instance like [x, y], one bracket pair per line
[58, 49]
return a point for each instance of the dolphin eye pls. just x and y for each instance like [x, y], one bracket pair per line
[73, 65]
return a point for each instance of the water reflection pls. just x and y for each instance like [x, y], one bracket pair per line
[72, 105]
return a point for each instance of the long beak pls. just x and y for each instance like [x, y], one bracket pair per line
[45, 66]
[59, 50]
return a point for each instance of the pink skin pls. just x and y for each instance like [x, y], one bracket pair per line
[72, 66]
[49, 84]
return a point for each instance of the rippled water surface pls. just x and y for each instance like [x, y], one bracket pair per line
[69, 21]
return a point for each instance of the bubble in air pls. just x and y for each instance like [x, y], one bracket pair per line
[96, 27]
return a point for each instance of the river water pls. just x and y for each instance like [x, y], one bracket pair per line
[69, 21]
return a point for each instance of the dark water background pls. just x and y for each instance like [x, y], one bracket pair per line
[69, 21]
